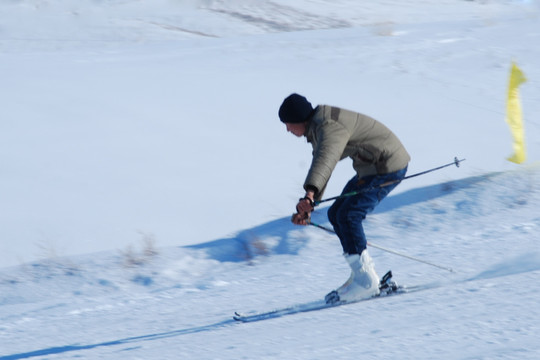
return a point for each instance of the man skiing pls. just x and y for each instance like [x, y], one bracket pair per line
[380, 162]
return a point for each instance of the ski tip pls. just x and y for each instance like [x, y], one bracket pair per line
[238, 317]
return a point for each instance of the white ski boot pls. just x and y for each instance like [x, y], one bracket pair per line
[362, 284]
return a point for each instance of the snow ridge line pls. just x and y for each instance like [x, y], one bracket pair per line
[275, 17]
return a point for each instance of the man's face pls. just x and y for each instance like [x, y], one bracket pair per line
[296, 129]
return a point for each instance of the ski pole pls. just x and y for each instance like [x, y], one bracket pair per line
[455, 162]
[389, 250]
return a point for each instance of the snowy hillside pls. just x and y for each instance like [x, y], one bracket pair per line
[178, 303]
[147, 183]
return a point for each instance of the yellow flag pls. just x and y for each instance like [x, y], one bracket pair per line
[513, 114]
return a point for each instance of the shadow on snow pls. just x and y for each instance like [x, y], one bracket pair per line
[248, 244]
[71, 348]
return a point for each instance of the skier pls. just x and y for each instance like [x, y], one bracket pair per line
[378, 158]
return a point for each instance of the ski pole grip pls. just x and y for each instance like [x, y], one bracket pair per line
[457, 161]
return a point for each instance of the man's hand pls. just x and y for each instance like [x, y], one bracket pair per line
[300, 219]
[304, 209]
[306, 204]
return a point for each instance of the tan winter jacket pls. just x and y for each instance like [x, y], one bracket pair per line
[337, 133]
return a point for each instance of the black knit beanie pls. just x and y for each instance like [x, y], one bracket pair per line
[295, 109]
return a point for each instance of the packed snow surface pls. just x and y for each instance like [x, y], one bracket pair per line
[147, 183]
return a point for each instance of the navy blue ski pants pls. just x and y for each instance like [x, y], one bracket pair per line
[347, 213]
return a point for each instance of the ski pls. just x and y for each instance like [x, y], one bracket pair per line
[387, 288]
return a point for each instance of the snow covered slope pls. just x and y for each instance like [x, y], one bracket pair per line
[147, 182]
[178, 302]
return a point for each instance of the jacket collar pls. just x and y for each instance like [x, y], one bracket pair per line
[310, 127]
